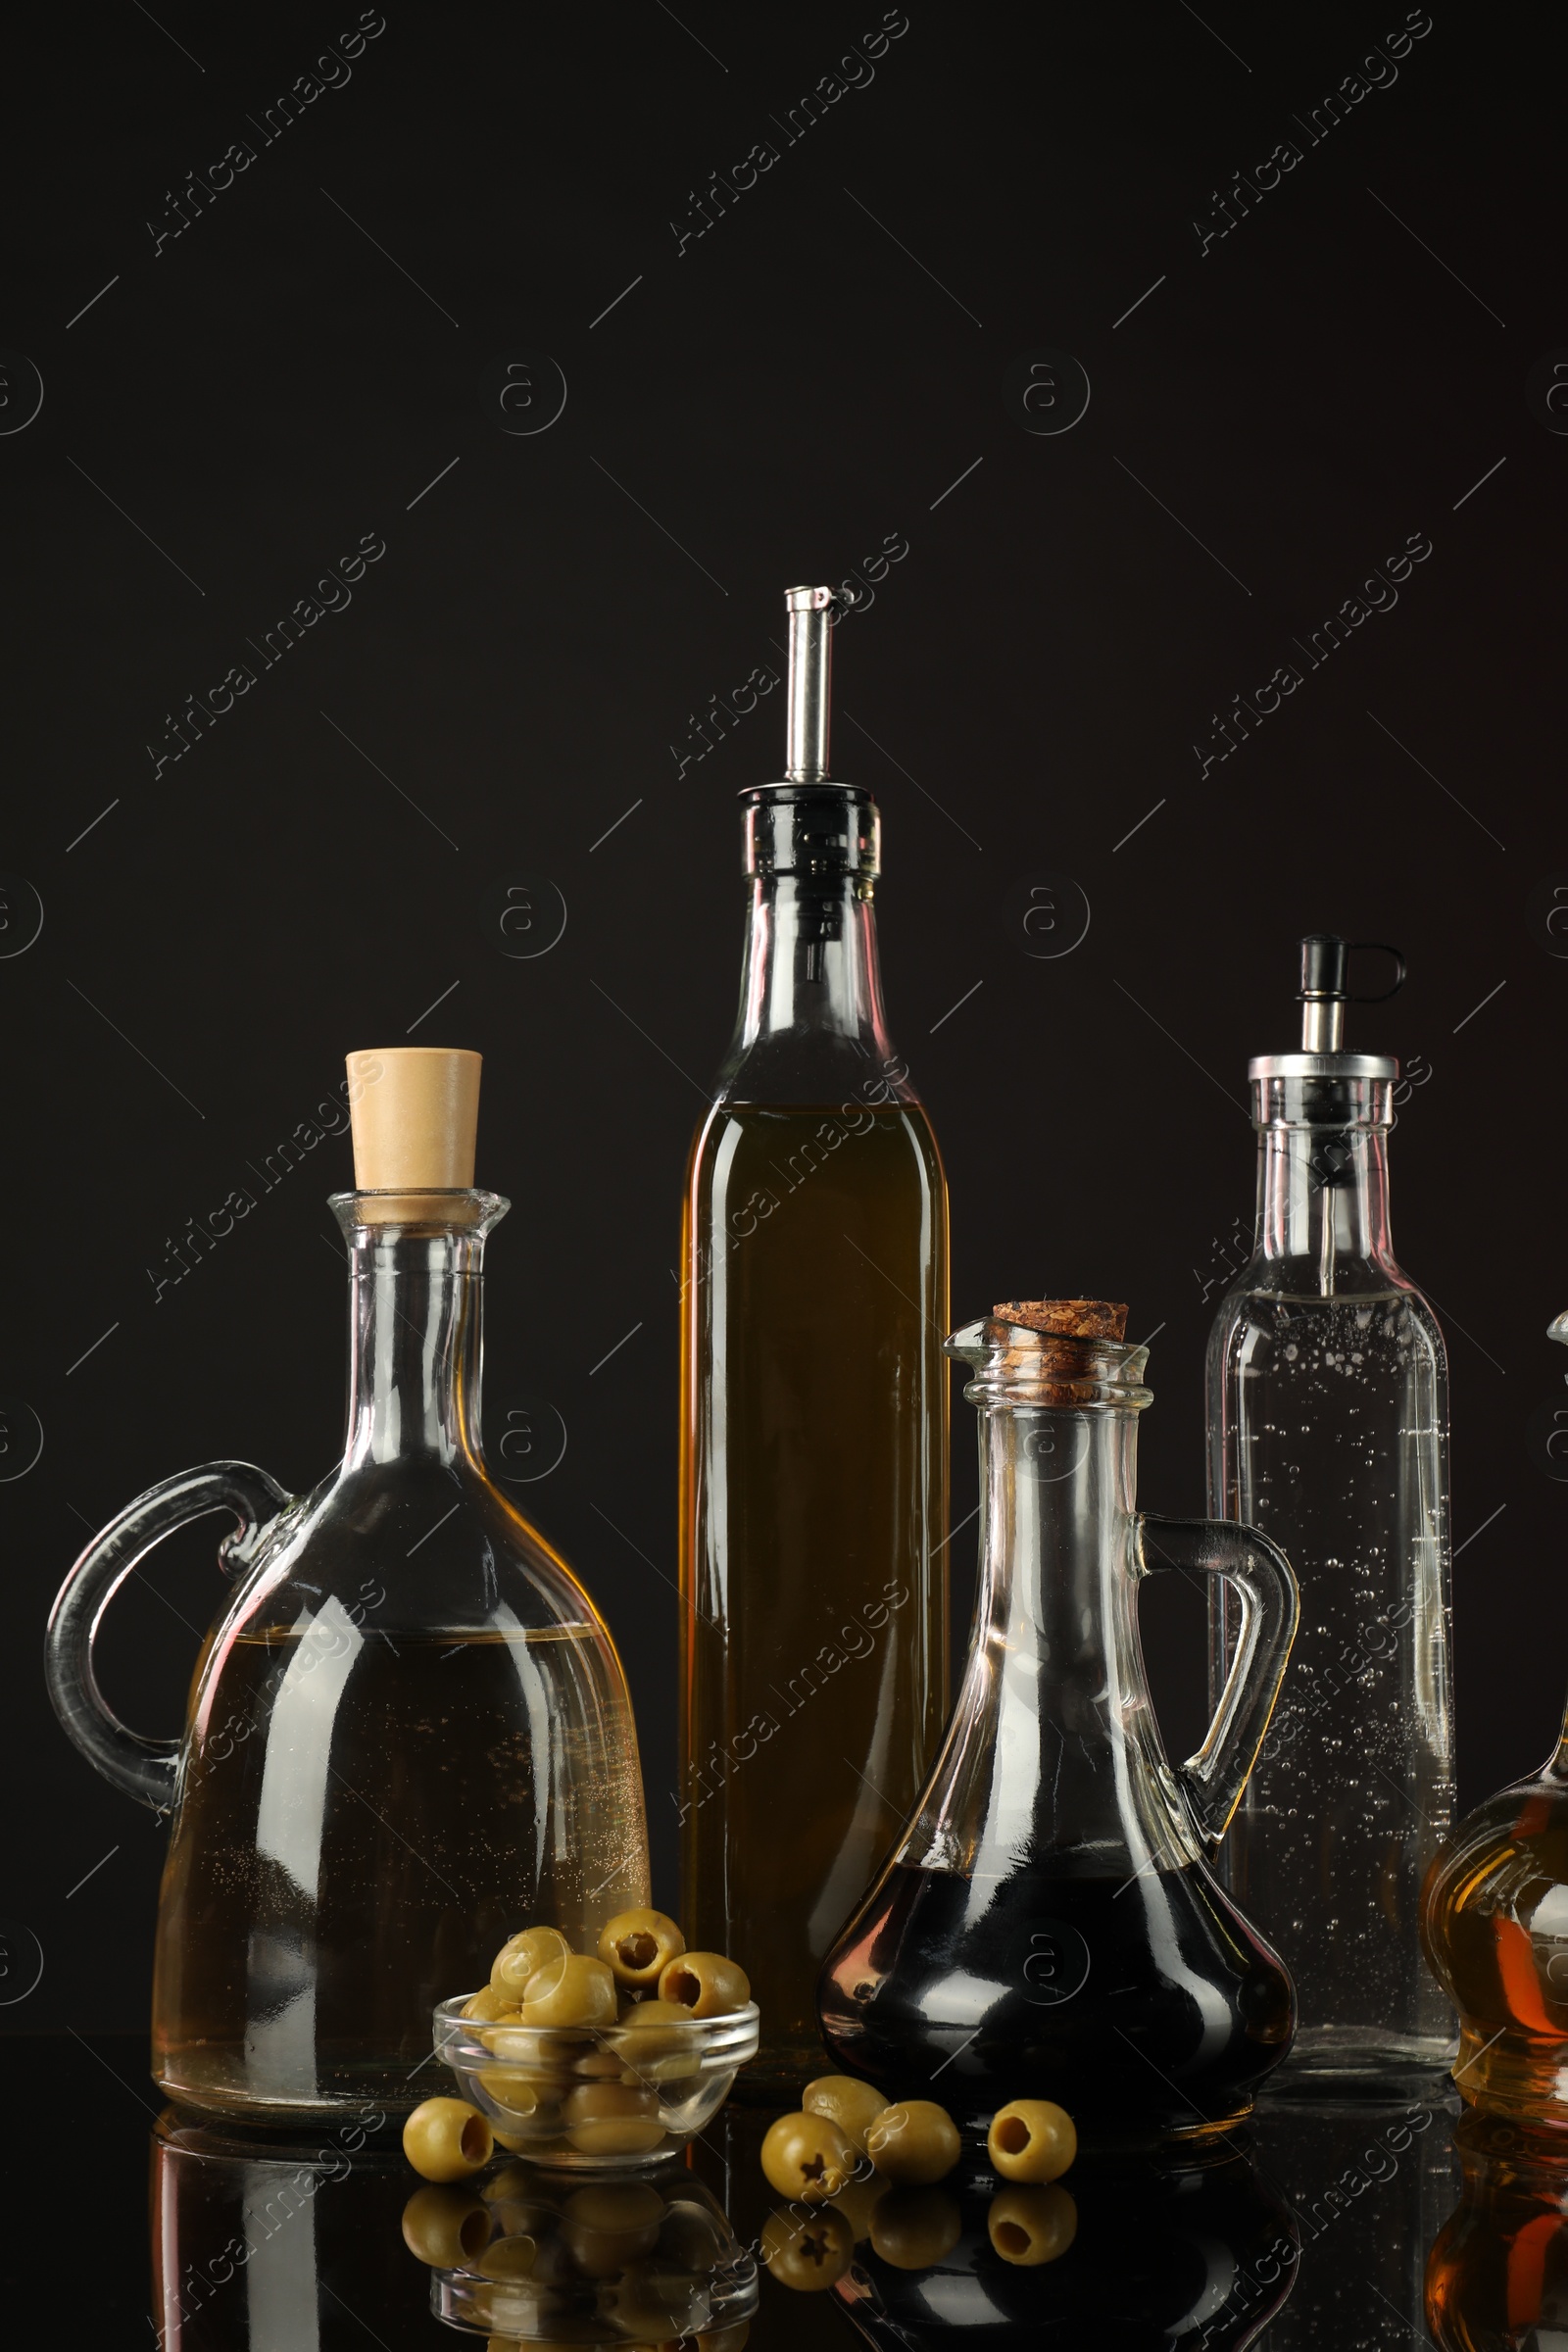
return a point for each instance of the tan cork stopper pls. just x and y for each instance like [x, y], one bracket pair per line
[1066, 1318]
[415, 1110]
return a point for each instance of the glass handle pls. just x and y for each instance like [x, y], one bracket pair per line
[143, 1768]
[1213, 1779]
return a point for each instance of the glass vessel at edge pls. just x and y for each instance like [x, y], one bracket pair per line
[1328, 1419]
[1495, 1921]
[1049, 1926]
[409, 1733]
[814, 1413]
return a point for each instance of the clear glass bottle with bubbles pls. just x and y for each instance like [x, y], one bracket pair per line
[1328, 1425]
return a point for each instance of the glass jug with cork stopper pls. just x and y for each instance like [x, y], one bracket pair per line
[408, 1734]
[1047, 1927]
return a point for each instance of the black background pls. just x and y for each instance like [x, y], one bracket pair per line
[769, 404]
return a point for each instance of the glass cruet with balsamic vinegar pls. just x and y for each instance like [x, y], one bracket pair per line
[1327, 1426]
[814, 1413]
[408, 1734]
[1047, 1925]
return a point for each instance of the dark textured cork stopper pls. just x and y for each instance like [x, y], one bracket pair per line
[1064, 1365]
[1066, 1318]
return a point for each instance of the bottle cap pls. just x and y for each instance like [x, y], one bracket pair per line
[1066, 1318]
[415, 1110]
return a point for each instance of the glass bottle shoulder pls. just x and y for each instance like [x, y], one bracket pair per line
[1276, 1315]
[412, 1550]
[769, 1148]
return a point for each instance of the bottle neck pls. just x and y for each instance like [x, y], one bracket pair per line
[812, 1020]
[1057, 1623]
[1323, 1203]
[416, 1343]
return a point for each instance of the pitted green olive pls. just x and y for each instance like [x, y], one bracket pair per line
[1032, 2140]
[569, 1990]
[807, 2156]
[705, 1984]
[914, 2142]
[523, 1956]
[445, 2139]
[612, 2119]
[639, 1944]
[850, 2104]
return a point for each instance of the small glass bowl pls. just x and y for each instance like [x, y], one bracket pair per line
[592, 2098]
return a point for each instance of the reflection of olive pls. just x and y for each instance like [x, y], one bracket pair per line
[444, 2227]
[915, 2141]
[1032, 2140]
[806, 2251]
[732, 2338]
[807, 2156]
[1029, 2226]
[509, 2258]
[652, 2306]
[611, 2225]
[850, 2104]
[914, 2227]
[858, 2199]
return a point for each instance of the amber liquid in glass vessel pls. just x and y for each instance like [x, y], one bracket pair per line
[366, 1813]
[816, 1673]
[814, 1413]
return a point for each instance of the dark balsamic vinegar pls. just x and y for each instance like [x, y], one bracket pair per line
[1144, 2004]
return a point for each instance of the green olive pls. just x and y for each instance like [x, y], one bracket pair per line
[914, 2227]
[654, 2039]
[850, 2104]
[1031, 2139]
[523, 1956]
[807, 2156]
[607, 2227]
[569, 1990]
[445, 2226]
[612, 2119]
[705, 1984]
[487, 2006]
[639, 1944]
[604, 2065]
[1030, 2226]
[806, 2251]
[526, 2096]
[914, 2142]
[445, 2139]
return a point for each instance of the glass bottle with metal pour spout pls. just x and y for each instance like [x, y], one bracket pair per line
[409, 1733]
[814, 1418]
[1047, 1927]
[1327, 1426]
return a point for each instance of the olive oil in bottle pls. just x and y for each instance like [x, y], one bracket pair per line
[813, 1438]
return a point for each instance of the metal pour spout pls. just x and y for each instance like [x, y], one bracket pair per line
[811, 613]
